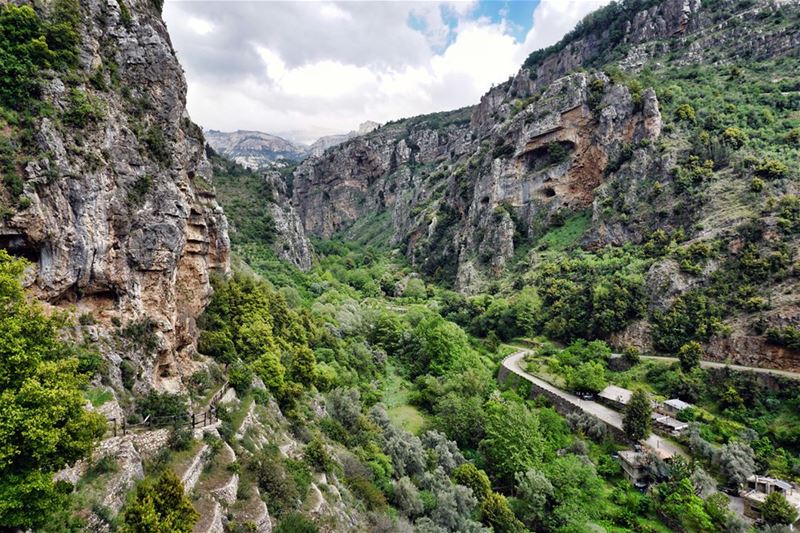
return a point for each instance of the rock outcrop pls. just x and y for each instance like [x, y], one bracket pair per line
[119, 220]
[457, 199]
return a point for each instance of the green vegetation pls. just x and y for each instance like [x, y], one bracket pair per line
[159, 507]
[43, 426]
[636, 423]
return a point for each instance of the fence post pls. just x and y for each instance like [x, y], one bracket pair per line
[124, 427]
[192, 420]
[115, 427]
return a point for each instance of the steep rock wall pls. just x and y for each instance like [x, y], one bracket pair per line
[121, 223]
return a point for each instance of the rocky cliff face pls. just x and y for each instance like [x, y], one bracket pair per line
[464, 193]
[120, 223]
[459, 199]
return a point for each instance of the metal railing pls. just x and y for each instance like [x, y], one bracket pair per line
[190, 419]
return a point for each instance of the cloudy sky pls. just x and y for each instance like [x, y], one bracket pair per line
[304, 69]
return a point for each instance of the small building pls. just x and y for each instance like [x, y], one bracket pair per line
[674, 406]
[615, 397]
[667, 424]
[759, 487]
[633, 467]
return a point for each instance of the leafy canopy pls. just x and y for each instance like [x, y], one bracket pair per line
[43, 425]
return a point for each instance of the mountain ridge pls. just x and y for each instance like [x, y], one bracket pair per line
[256, 149]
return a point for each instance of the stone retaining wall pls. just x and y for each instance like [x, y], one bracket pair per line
[560, 404]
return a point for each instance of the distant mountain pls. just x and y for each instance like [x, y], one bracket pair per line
[256, 149]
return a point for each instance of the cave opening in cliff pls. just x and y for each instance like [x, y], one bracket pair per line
[552, 153]
[548, 192]
[19, 246]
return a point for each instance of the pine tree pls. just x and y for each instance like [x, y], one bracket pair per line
[636, 421]
[160, 507]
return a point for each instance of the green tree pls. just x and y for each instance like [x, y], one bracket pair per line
[471, 476]
[43, 425]
[442, 346]
[636, 420]
[534, 491]
[577, 496]
[513, 441]
[682, 505]
[496, 514]
[777, 510]
[690, 355]
[160, 507]
[590, 377]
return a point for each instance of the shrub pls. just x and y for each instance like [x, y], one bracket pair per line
[156, 145]
[777, 510]
[82, 110]
[240, 376]
[367, 491]
[771, 169]
[756, 184]
[159, 504]
[690, 355]
[788, 336]
[142, 334]
[139, 190]
[295, 522]
[734, 137]
[163, 408]
[316, 455]
[686, 113]
[180, 438]
[470, 476]
[275, 481]
[128, 373]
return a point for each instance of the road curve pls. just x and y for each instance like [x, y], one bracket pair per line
[609, 416]
[738, 368]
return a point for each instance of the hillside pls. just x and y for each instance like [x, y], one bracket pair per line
[617, 140]
[445, 324]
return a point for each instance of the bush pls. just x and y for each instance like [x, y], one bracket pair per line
[771, 169]
[316, 456]
[240, 376]
[690, 355]
[180, 438]
[776, 510]
[788, 336]
[275, 482]
[163, 408]
[82, 110]
[295, 522]
[142, 334]
[367, 491]
[686, 113]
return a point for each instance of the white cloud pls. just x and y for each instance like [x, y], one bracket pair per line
[552, 19]
[200, 26]
[334, 12]
[315, 68]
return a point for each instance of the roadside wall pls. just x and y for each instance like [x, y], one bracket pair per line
[562, 405]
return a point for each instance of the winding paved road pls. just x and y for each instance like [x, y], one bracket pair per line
[738, 368]
[609, 416]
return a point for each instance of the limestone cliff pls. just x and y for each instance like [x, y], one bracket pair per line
[120, 222]
[468, 193]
